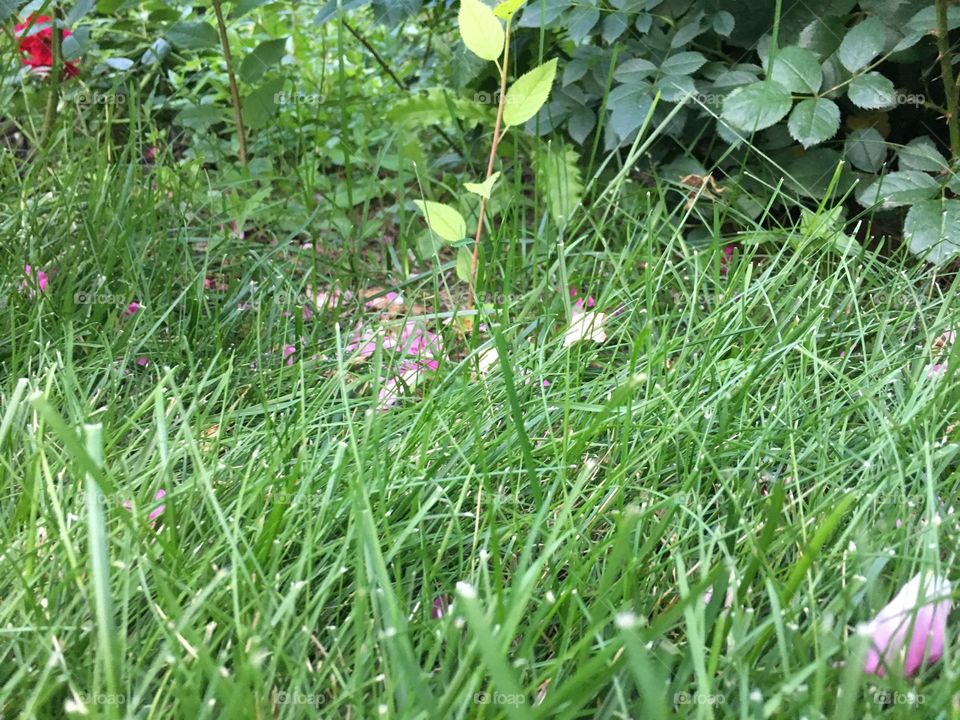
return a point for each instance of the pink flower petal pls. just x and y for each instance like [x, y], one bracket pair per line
[911, 628]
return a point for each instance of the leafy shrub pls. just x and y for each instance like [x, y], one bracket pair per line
[789, 97]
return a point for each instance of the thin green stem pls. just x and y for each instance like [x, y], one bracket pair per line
[494, 144]
[232, 79]
[56, 69]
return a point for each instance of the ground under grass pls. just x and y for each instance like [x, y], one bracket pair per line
[688, 519]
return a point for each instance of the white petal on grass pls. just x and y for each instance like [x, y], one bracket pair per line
[487, 360]
[585, 326]
[466, 590]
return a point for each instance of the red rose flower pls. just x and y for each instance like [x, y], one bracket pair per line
[36, 49]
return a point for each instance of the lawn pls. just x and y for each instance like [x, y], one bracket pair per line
[260, 458]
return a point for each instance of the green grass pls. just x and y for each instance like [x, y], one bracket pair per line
[766, 426]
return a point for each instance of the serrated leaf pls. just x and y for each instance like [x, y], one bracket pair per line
[872, 91]
[723, 23]
[932, 229]
[798, 70]
[862, 43]
[446, 222]
[814, 120]
[262, 58]
[580, 21]
[674, 88]
[192, 35]
[465, 264]
[924, 23]
[921, 154]
[757, 106]
[866, 149]
[614, 25]
[896, 189]
[483, 189]
[683, 63]
[507, 9]
[480, 29]
[634, 70]
[529, 93]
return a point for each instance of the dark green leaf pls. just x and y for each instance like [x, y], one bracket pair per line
[798, 70]
[192, 35]
[814, 120]
[723, 23]
[262, 58]
[8, 8]
[757, 106]
[895, 189]
[921, 154]
[862, 44]
[932, 228]
[260, 106]
[866, 149]
[872, 91]
[683, 63]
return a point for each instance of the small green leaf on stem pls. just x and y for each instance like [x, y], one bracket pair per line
[482, 33]
[445, 222]
[483, 189]
[529, 93]
[507, 9]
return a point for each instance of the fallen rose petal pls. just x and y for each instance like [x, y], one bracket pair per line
[487, 359]
[156, 512]
[936, 370]
[35, 279]
[910, 630]
[411, 373]
[585, 326]
[442, 605]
